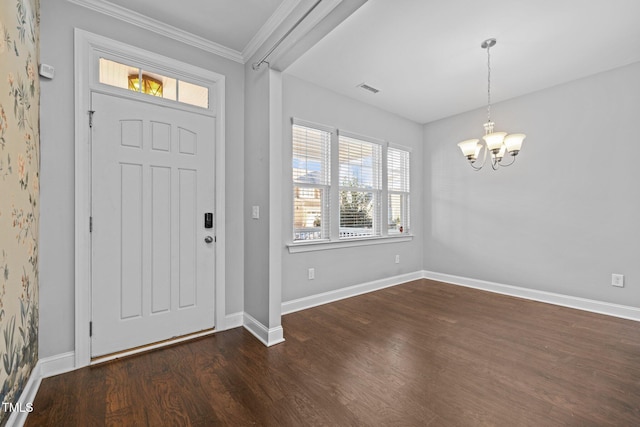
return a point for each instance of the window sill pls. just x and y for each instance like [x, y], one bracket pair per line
[323, 245]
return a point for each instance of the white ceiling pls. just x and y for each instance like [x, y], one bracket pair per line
[231, 23]
[425, 55]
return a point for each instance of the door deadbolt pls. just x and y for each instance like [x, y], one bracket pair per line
[208, 220]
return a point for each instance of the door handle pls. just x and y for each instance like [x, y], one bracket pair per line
[208, 239]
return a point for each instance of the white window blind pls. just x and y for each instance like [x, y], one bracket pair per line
[360, 174]
[311, 180]
[398, 190]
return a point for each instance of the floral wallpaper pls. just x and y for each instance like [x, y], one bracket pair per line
[19, 195]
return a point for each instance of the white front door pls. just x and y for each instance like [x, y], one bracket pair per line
[152, 183]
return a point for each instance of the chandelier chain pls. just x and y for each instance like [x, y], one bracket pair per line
[488, 83]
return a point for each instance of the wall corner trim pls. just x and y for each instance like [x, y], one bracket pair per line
[268, 336]
[600, 307]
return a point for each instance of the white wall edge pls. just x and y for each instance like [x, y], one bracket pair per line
[600, 307]
[267, 336]
[351, 291]
[234, 320]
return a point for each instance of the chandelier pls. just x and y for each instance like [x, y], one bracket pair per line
[149, 85]
[496, 143]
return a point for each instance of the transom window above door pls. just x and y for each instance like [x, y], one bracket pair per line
[136, 79]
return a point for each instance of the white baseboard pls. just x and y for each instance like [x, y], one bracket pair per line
[18, 418]
[600, 307]
[351, 291]
[58, 364]
[234, 320]
[268, 336]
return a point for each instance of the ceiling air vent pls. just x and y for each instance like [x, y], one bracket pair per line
[369, 88]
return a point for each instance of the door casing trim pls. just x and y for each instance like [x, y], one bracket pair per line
[86, 46]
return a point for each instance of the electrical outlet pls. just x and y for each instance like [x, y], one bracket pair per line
[255, 212]
[312, 273]
[617, 280]
[397, 259]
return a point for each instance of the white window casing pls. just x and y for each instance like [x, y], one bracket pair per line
[348, 189]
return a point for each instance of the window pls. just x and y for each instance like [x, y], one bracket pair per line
[360, 184]
[347, 187]
[311, 179]
[138, 80]
[398, 187]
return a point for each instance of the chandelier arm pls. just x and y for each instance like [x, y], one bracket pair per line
[484, 159]
[513, 160]
[495, 163]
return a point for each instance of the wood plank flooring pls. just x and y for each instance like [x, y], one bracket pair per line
[419, 354]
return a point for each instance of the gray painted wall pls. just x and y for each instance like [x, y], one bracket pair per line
[565, 215]
[58, 18]
[339, 268]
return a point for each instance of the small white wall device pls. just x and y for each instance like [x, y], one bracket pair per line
[46, 71]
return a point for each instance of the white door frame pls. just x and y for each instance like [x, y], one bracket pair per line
[88, 48]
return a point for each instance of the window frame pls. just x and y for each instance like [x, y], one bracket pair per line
[149, 64]
[377, 183]
[381, 235]
[325, 203]
[405, 220]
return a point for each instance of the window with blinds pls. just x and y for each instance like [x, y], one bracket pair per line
[311, 180]
[346, 186]
[360, 175]
[398, 190]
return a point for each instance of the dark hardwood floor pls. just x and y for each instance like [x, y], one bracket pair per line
[423, 353]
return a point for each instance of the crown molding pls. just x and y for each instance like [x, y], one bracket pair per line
[275, 20]
[158, 27]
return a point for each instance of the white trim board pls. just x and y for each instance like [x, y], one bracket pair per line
[58, 364]
[28, 394]
[44, 368]
[234, 320]
[139, 20]
[351, 291]
[600, 307]
[275, 20]
[268, 336]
